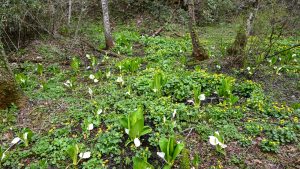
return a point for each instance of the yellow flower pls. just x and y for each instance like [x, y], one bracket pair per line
[296, 120]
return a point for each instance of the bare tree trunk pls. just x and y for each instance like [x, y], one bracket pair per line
[198, 51]
[249, 29]
[70, 12]
[107, 30]
[9, 90]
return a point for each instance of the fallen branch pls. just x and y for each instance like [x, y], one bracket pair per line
[157, 32]
[104, 52]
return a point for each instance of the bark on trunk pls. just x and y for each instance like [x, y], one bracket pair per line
[249, 30]
[198, 51]
[69, 12]
[107, 30]
[9, 90]
[240, 43]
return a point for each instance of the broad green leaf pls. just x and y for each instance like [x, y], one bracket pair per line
[141, 164]
[136, 129]
[167, 167]
[73, 151]
[163, 144]
[124, 122]
[177, 150]
[171, 145]
[146, 130]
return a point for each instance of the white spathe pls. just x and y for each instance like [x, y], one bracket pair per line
[174, 113]
[85, 155]
[15, 140]
[90, 126]
[202, 97]
[90, 91]
[137, 142]
[88, 56]
[120, 80]
[127, 131]
[99, 111]
[161, 155]
[108, 74]
[96, 80]
[213, 140]
[92, 77]
[25, 135]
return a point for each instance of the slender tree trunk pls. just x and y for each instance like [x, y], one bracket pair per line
[249, 30]
[198, 51]
[9, 90]
[70, 12]
[241, 39]
[107, 30]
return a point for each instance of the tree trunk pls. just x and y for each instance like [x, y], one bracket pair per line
[199, 52]
[107, 30]
[69, 12]
[9, 90]
[240, 43]
[249, 30]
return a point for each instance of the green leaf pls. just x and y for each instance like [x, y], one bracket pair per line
[124, 122]
[139, 163]
[136, 129]
[177, 150]
[167, 167]
[1, 153]
[146, 130]
[163, 144]
[73, 151]
[171, 145]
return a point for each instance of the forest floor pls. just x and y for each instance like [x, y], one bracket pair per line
[255, 108]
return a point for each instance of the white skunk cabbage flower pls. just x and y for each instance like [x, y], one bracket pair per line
[137, 142]
[99, 111]
[215, 141]
[90, 127]
[120, 80]
[85, 155]
[88, 56]
[90, 91]
[202, 97]
[92, 77]
[174, 113]
[15, 140]
[161, 155]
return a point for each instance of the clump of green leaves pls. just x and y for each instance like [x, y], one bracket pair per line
[269, 145]
[170, 149]
[218, 141]
[134, 126]
[225, 90]
[129, 65]
[198, 97]
[22, 79]
[159, 80]
[75, 64]
[73, 152]
[26, 136]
